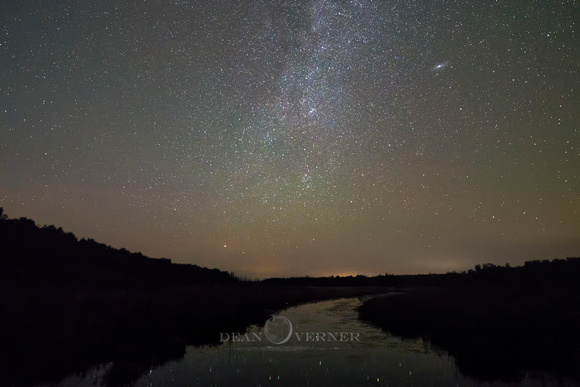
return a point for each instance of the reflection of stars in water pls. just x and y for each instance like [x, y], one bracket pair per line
[440, 66]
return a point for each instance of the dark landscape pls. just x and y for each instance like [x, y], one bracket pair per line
[497, 322]
[67, 305]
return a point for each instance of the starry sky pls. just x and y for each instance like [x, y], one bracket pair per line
[297, 137]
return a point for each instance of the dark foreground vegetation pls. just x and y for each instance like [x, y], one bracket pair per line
[498, 322]
[67, 305]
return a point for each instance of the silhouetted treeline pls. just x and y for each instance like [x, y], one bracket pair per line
[68, 305]
[359, 280]
[497, 321]
[532, 273]
[50, 254]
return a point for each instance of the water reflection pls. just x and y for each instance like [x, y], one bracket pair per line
[375, 359]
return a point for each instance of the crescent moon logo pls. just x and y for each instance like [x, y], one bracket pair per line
[276, 340]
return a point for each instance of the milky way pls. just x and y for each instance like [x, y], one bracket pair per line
[297, 137]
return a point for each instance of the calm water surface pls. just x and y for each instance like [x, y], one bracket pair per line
[362, 356]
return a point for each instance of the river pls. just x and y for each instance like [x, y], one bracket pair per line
[315, 344]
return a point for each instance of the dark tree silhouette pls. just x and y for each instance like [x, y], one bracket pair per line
[68, 305]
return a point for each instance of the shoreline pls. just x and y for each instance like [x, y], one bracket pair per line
[135, 329]
[494, 333]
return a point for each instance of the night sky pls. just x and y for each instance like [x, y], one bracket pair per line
[279, 138]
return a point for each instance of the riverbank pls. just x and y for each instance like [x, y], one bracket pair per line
[494, 332]
[69, 304]
[48, 334]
